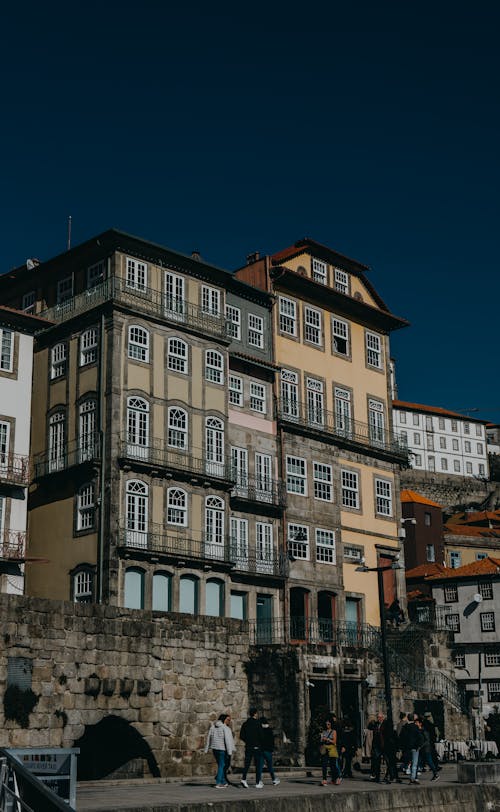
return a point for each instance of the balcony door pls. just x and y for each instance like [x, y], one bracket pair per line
[263, 477]
[137, 514]
[174, 304]
[239, 461]
[264, 631]
[4, 447]
[214, 447]
[137, 427]
[343, 416]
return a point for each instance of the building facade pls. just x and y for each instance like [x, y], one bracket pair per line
[422, 529]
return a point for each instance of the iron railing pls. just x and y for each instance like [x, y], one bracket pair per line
[264, 491]
[429, 616]
[12, 544]
[350, 433]
[142, 300]
[14, 469]
[20, 791]
[66, 456]
[158, 454]
[155, 540]
[273, 565]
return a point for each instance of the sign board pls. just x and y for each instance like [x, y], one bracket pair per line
[55, 766]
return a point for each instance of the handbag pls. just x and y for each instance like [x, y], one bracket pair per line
[322, 750]
[332, 751]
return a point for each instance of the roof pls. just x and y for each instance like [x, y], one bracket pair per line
[425, 570]
[486, 566]
[418, 595]
[308, 246]
[421, 407]
[476, 517]
[407, 495]
[19, 320]
[471, 531]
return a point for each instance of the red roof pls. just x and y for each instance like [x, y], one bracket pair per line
[472, 531]
[408, 495]
[421, 407]
[418, 595]
[486, 566]
[425, 570]
[307, 245]
[17, 312]
[475, 517]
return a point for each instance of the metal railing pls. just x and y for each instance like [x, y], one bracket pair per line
[12, 544]
[350, 433]
[20, 791]
[274, 565]
[429, 616]
[142, 300]
[66, 456]
[14, 469]
[155, 540]
[157, 453]
[264, 491]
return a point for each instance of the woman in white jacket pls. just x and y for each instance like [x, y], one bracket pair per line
[221, 742]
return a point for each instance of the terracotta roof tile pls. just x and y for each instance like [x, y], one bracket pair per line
[421, 407]
[472, 531]
[425, 570]
[407, 495]
[486, 566]
[418, 595]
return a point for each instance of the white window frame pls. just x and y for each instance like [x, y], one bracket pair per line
[137, 274]
[210, 300]
[287, 316]
[341, 337]
[4, 445]
[137, 426]
[58, 360]
[177, 355]
[64, 289]
[57, 440]
[290, 393]
[86, 507]
[492, 659]
[383, 497]
[485, 589]
[214, 526]
[96, 274]
[137, 513]
[233, 317]
[239, 463]
[325, 546]
[239, 542]
[28, 302]
[177, 507]
[177, 428]
[296, 475]
[258, 397]
[455, 559]
[175, 296]
[487, 621]
[376, 420]
[214, 367]
[315, 401]
[255, 331]
[214, 445]
[235, 390]
[83, 586]
[298, 548]
[313, 326]
[341, 281]
[138, 343]
[350, 489]
[88, 346]
[343, 411]
[323, 481]
[263, 477]
[319, 271]
[373, 343]
[87, 429]
[6, 349]
[264, 547]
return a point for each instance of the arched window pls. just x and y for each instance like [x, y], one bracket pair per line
[137, 513]
[177, 507]
[177, 428]
[138, 343]
[214, 367]
[214, 527]
[58, 360]
[87, 429]
[137, 427]
[214, 446]
[214, 598]
[88, 346]
[188, 594]
[57, 440]
[177, 355]
[162, 592]
[82, 583]
[134, 589]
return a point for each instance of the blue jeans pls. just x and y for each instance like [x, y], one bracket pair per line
[254, 753]
[267, 757]
[414, 764]
[220, 757]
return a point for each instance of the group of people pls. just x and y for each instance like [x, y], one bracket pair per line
[414, 738]
[258, 738]
[337, 747]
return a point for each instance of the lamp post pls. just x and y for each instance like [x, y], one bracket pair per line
[383, 631]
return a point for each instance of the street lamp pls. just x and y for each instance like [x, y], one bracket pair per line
[383, 632]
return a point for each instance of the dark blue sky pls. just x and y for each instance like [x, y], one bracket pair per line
[371, 127]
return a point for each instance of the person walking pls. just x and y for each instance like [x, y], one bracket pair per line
[347, 747]
[405, 735]
[433, 731]
[250, 735]
[220, 741]
[384, 744]
[227, 761]
[414, 741]
[329, 754]
[267, 748]
[426, 750]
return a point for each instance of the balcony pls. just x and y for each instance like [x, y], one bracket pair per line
[14, 470]
[274, 565]
[154, 540]
[148, 301]
[158, 455]
[67, 456]
[315, 631]
[12, 545]
[352, 434]
[267, 493]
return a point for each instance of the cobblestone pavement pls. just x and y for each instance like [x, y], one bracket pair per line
[107, 796]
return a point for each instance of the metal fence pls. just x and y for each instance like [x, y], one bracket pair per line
[14, 469]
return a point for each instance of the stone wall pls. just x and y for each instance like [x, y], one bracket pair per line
[451, 491]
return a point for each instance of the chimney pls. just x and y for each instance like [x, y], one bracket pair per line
[253, 257]
[196, 255]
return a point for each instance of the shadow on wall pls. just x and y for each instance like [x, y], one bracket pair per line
[108, 745]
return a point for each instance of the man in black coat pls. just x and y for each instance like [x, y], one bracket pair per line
[250, 733]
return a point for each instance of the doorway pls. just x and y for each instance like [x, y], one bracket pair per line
[264, 619]
[350, 704]
[320, 706]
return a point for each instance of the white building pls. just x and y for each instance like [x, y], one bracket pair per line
[441, 441]
[16, 365]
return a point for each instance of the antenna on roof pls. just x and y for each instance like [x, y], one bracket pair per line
[69, 232]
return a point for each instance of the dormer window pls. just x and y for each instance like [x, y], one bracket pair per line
[341, 281]
[319, 271]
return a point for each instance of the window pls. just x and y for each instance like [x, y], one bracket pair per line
[343, 421]
[83, 586]
[239, 542]
[442, 442]
[350, 489]
[210, 300]
[441, 423]
[402, 417]
[373, 350]
[88, 346]
[430, 553]
[162, 592]
[459, 660]
[427, 519]
[137, 427]
[233, 316]
[258, 397]
[416, 438]
[177, 428]
[315, 401]
[322, 478]
[57, 441]
[312, 326]
[214, 598]
[466, 428]
[479, 447]
[418, 459]
[298, 541]
[456, 466]
[235, 390]
[264, 552]
[376, 422]
[255, 331]
[296, 473]
[491, 658]
[238, 605]
[325, 546]
[87, 430]
[352, 553]
[214, 446]
[138, 343]
[487, 621]
[289, 393]
[64, 289]
[450, 593]
[455, 559]
[175, 305]
[486, 589]
[430, 442]
[86, 507]
[468, 468]
[479, 430]
[480, 469]
[404, 437]
[341, 281]
[416, 419]
[214, 367]
[432, 463]
[383, 496]
[454, 444]
[239, 462]
[467, 446]
[454, 425]
[137, 499]
[452, 622]
[288, 316]
[28, 302]
[480, 556]
[177, 355]
[444, 464]
[137, 274]
[58, 360]
[319, 270]
[177, 507]
[263, 477]
[340, 334]
[214, 527]
[4, 446]
[95, 274]
[134, 589]
[188, 594]
[493, 691]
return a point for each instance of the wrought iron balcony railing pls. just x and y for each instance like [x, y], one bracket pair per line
[154, 539]
[12, 544]
[65, 456]
[158, 454]
[144, 300]
[14, 469]
[343, 430]
[264, 491]
[271, 563]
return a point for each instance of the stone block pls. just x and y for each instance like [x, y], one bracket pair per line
[478, 772]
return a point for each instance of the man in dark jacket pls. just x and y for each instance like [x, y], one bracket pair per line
[426, 749]
[250, 733]
[267, 747]
[384, 744]
[414, 741]
[347, 749]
